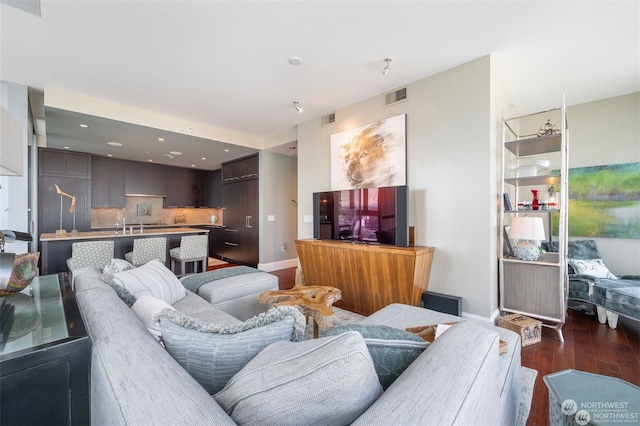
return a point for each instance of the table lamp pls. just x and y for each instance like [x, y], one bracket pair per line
[524, 229]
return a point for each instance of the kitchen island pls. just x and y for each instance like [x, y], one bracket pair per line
[55, 250]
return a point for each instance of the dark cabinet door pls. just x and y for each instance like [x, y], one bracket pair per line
[242, 169]
[182, 189]
[51, 207]
[145, 179]
[62, 163]
[99, 182]
[241, 236]
[107, 182]
[210, 188]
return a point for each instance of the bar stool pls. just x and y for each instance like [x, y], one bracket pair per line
[193, 248]
[147, 249]
[96, 254]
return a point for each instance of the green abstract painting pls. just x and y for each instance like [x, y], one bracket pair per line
[604, 201]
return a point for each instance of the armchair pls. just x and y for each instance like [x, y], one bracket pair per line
[591, 281]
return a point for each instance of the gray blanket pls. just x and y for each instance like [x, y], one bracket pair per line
[195, 281]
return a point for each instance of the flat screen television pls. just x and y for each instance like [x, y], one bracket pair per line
[370, 215]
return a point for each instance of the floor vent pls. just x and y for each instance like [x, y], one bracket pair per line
[395, 96]
[328, 119]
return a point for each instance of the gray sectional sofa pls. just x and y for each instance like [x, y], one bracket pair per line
[459, 379]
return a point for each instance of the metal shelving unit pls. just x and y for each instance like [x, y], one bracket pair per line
[538, 288]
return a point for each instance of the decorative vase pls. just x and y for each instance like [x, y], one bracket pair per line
[535, 204]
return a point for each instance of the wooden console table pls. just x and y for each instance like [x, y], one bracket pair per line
[370, 277]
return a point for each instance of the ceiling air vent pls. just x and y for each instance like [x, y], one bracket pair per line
[328, 119]
[395, 96]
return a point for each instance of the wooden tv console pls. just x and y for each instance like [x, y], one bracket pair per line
[369, 276]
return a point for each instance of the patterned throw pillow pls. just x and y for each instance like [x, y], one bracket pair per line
[391, 349]
[213, 353]
[151, 279]
[327, 381]
[115, 265]
[593, 267]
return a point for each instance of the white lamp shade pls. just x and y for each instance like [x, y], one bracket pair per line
[527, 228]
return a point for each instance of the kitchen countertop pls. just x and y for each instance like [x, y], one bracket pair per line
[119, 234]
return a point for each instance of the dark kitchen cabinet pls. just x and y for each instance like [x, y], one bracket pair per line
[145, 179]
[241, 232]
[107, 182]
[211, 188]
[182, 188]
[50, 204]
[216, 241]
[72, 173]
[243, 169]
[63, 163]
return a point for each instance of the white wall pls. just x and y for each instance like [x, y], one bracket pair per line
[14, 190]
[278, 195]
[451, 175]
[608, 132]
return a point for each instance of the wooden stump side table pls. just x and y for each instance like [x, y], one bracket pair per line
[313, 301]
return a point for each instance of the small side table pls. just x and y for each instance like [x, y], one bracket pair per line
[581, 398]
[44, 367]
[312, 300]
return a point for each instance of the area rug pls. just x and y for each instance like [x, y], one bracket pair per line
[528, 375]
[526, 394]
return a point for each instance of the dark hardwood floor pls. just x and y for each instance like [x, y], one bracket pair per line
[588, 346]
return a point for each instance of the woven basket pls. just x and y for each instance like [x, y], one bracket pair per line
[529, 329]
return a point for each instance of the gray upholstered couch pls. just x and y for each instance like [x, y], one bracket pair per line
[459, 379]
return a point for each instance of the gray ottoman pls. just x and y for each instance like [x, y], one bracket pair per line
[238, 295]
[625, 301]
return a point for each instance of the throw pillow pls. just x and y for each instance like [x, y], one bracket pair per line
[147, 309]
[152, 279]
[213, 353]
[391, 349]
[329, 381]
[125, 295]
[115, 265]
[593, 267]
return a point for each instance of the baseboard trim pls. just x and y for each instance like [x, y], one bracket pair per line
[491, 319]
[276, 266]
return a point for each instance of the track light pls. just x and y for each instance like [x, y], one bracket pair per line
[298, 107]
[386, 68]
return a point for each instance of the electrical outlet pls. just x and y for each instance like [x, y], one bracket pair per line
[283, 247]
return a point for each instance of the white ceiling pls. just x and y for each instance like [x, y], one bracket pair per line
[225, 63]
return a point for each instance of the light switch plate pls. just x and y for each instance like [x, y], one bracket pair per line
[308, 218]
[271, 218]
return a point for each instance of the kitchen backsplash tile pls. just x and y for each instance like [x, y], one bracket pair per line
[152, 214]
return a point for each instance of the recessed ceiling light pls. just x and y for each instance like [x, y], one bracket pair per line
[150, 160]
[109, 155]
[189, 129]
[204, 158]
[114, 143]
[193, 165]
[295, 60]
[226, 150]
[84, 126]
[175, 153]
[161, 139]
[66, 147]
